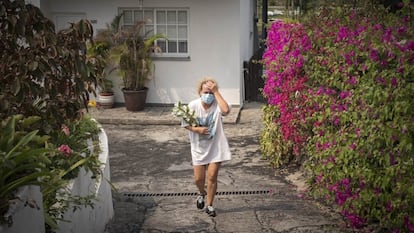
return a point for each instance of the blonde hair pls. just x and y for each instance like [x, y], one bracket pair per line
[203, 81]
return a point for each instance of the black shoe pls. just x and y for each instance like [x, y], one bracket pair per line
[211, 211]
[200, 202]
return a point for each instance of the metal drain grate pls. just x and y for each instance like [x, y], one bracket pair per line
[222, 193]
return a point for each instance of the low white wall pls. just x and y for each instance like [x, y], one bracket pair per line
[84, 220]
[25, 218]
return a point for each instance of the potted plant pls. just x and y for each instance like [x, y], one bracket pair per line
[106, 96]
[99, 50]
[131, 55]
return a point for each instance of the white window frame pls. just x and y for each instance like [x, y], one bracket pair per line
[155, 26]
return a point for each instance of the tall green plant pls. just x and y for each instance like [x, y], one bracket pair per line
[130, 51]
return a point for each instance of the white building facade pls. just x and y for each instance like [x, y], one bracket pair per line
[206, 38]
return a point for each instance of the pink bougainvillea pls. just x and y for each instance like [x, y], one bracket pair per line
[285, 83]
[342, 83]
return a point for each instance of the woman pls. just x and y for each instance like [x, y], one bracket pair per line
[209, 146]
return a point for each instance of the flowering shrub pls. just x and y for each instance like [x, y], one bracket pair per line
[361, 75]
[76, 141]
[356, 98]
[76, 147]
[285, 81]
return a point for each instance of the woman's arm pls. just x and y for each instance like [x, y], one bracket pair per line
[198, 129]
[222, 103]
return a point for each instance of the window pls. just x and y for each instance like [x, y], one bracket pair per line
[171, 22]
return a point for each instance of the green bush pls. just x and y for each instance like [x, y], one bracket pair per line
[273, 147]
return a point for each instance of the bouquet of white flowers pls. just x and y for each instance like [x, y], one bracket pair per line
[184, 113]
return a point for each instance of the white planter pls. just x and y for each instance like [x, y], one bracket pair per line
[26, 218]
[106, 101]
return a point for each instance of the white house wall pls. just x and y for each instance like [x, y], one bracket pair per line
[219, 40]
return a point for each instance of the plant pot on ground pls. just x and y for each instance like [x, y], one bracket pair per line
[135, 100]
[131, 50]
[106, 100]
[106, 97]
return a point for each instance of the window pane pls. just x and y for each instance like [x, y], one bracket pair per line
[171, 22]
[149, 16]
[182, 32]
[162, 29]
[161, 18]
[172, 32]
[138, 15]
[182, 17]
[171, 17]
[163, 45]
[182, 47]
[172, 46]
[128, 17]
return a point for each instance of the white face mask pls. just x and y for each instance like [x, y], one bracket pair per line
[207, 98]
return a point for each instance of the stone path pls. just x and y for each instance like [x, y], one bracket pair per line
[155, 159]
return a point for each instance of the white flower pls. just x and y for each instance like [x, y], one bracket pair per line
[184, 113]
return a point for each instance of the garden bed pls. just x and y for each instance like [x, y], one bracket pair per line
[84, 219]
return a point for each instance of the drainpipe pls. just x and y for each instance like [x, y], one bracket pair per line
[264, 26]
[264, 19]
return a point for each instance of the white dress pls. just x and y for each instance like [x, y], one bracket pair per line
[211, 148]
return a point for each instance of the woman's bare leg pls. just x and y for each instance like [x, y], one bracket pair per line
[200, 178]
[212, 173]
